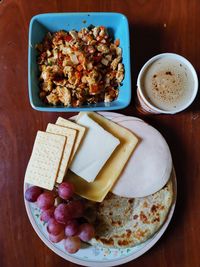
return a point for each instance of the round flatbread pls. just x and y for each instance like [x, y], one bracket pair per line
[124, 222]
[150, 165]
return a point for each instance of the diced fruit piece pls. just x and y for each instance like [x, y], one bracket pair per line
[78, 75]
[54, 227]
[63, 213]
[117, 42]
[46, 215]
[68, 38]
[102, 28]
[57, 238]
[79, 68]
[66, 190]
[94, 89]
[46, 200]
[86, 232]
[72, 244]
[32, 193]
[71, 228]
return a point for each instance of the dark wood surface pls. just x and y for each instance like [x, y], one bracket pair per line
[155, 27]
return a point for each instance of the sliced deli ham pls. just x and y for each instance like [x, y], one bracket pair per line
[149, 167]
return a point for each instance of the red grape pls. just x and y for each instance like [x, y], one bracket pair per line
[32, 193]
[46, 200]
[54, 227]
[72, 244]
[86, 232]
[78, 207]
[71, 228]
[47, 214]
[57, 238]
[66, 190]
[63, 213]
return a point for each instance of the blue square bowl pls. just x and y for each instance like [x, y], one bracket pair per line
[41, 24]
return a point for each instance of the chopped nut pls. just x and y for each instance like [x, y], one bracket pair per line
[64, 95]
[53, 98]
[115, 63]
[104, 61]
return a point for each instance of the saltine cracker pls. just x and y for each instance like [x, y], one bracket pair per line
[45, 160]
[80, 132]
[70, 134]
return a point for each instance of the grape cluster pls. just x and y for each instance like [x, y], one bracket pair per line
[63, 215]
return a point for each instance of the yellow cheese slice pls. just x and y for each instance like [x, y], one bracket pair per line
[97, 190]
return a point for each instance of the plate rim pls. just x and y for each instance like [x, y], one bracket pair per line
[109, 263]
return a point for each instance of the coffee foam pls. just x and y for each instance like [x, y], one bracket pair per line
[167, 84]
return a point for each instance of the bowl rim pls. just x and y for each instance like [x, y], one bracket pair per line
[119, 106]
[78, 14]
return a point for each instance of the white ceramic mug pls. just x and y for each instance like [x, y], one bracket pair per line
[145, 105]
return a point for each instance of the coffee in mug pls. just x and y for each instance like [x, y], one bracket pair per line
[167, 84]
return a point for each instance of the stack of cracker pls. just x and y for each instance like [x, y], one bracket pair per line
[53, 151]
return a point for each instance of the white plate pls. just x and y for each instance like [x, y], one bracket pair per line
[94, 255]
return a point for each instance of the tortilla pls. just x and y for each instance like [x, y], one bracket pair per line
[124, 222]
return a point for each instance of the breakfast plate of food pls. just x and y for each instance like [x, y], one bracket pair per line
[100, 188]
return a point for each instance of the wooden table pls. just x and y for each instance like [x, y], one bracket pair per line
[155, 27]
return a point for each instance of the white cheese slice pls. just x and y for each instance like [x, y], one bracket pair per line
[95, 150]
